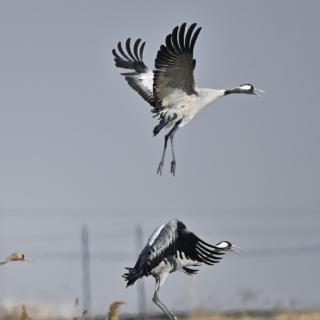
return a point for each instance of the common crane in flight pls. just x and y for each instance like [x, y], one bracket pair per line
[170, 248]
[170, 88]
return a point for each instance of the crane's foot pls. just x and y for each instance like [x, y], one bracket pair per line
[159, 171]
[173, 167]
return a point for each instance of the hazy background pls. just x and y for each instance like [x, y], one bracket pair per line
[76, 147]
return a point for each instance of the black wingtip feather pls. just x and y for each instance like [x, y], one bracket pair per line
[188, 36]
[141, 50]
[169, 43]
[216, 251]
[135, 49]
[181, 35]
[128, 48]
[114, 52]
[122, 51]
[194, 38]
[130, 59]
[177, 43]
[174, 40]
[190, 271]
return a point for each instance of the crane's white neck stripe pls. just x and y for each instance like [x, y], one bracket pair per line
[245, 87]
[223, 245]
[155, 234]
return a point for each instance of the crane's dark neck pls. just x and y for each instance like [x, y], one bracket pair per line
[234, 90]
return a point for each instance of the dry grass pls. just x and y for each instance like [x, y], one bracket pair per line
[270, 316]
[113, 310]
[24, 313]
[21, 312]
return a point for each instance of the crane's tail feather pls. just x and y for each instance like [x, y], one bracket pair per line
[132, 276]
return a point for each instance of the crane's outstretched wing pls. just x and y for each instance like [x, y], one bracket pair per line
[189, 246]
[140, 78]
[174, 65]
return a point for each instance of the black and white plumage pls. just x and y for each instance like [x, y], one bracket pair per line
[170, 248]
[170, 88]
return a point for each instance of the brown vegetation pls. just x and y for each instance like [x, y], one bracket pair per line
[113, 310]
[284, 315]
[21, 313]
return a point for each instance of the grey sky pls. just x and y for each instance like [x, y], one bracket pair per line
[76, 146]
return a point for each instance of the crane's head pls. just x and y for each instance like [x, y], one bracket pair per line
[244, 88]
[250, 89]
[227, 246]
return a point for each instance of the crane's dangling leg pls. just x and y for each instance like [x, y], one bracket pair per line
[170, 135]
[166, 137]
[173, 162]
[157, 301]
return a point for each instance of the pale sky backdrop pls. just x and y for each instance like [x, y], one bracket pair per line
[76, 147]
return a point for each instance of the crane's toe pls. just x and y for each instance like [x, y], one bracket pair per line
[173, 167]
[159, 171]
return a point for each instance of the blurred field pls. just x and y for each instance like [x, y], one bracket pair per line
[312, 315]
[268, 316]
[22, 313]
